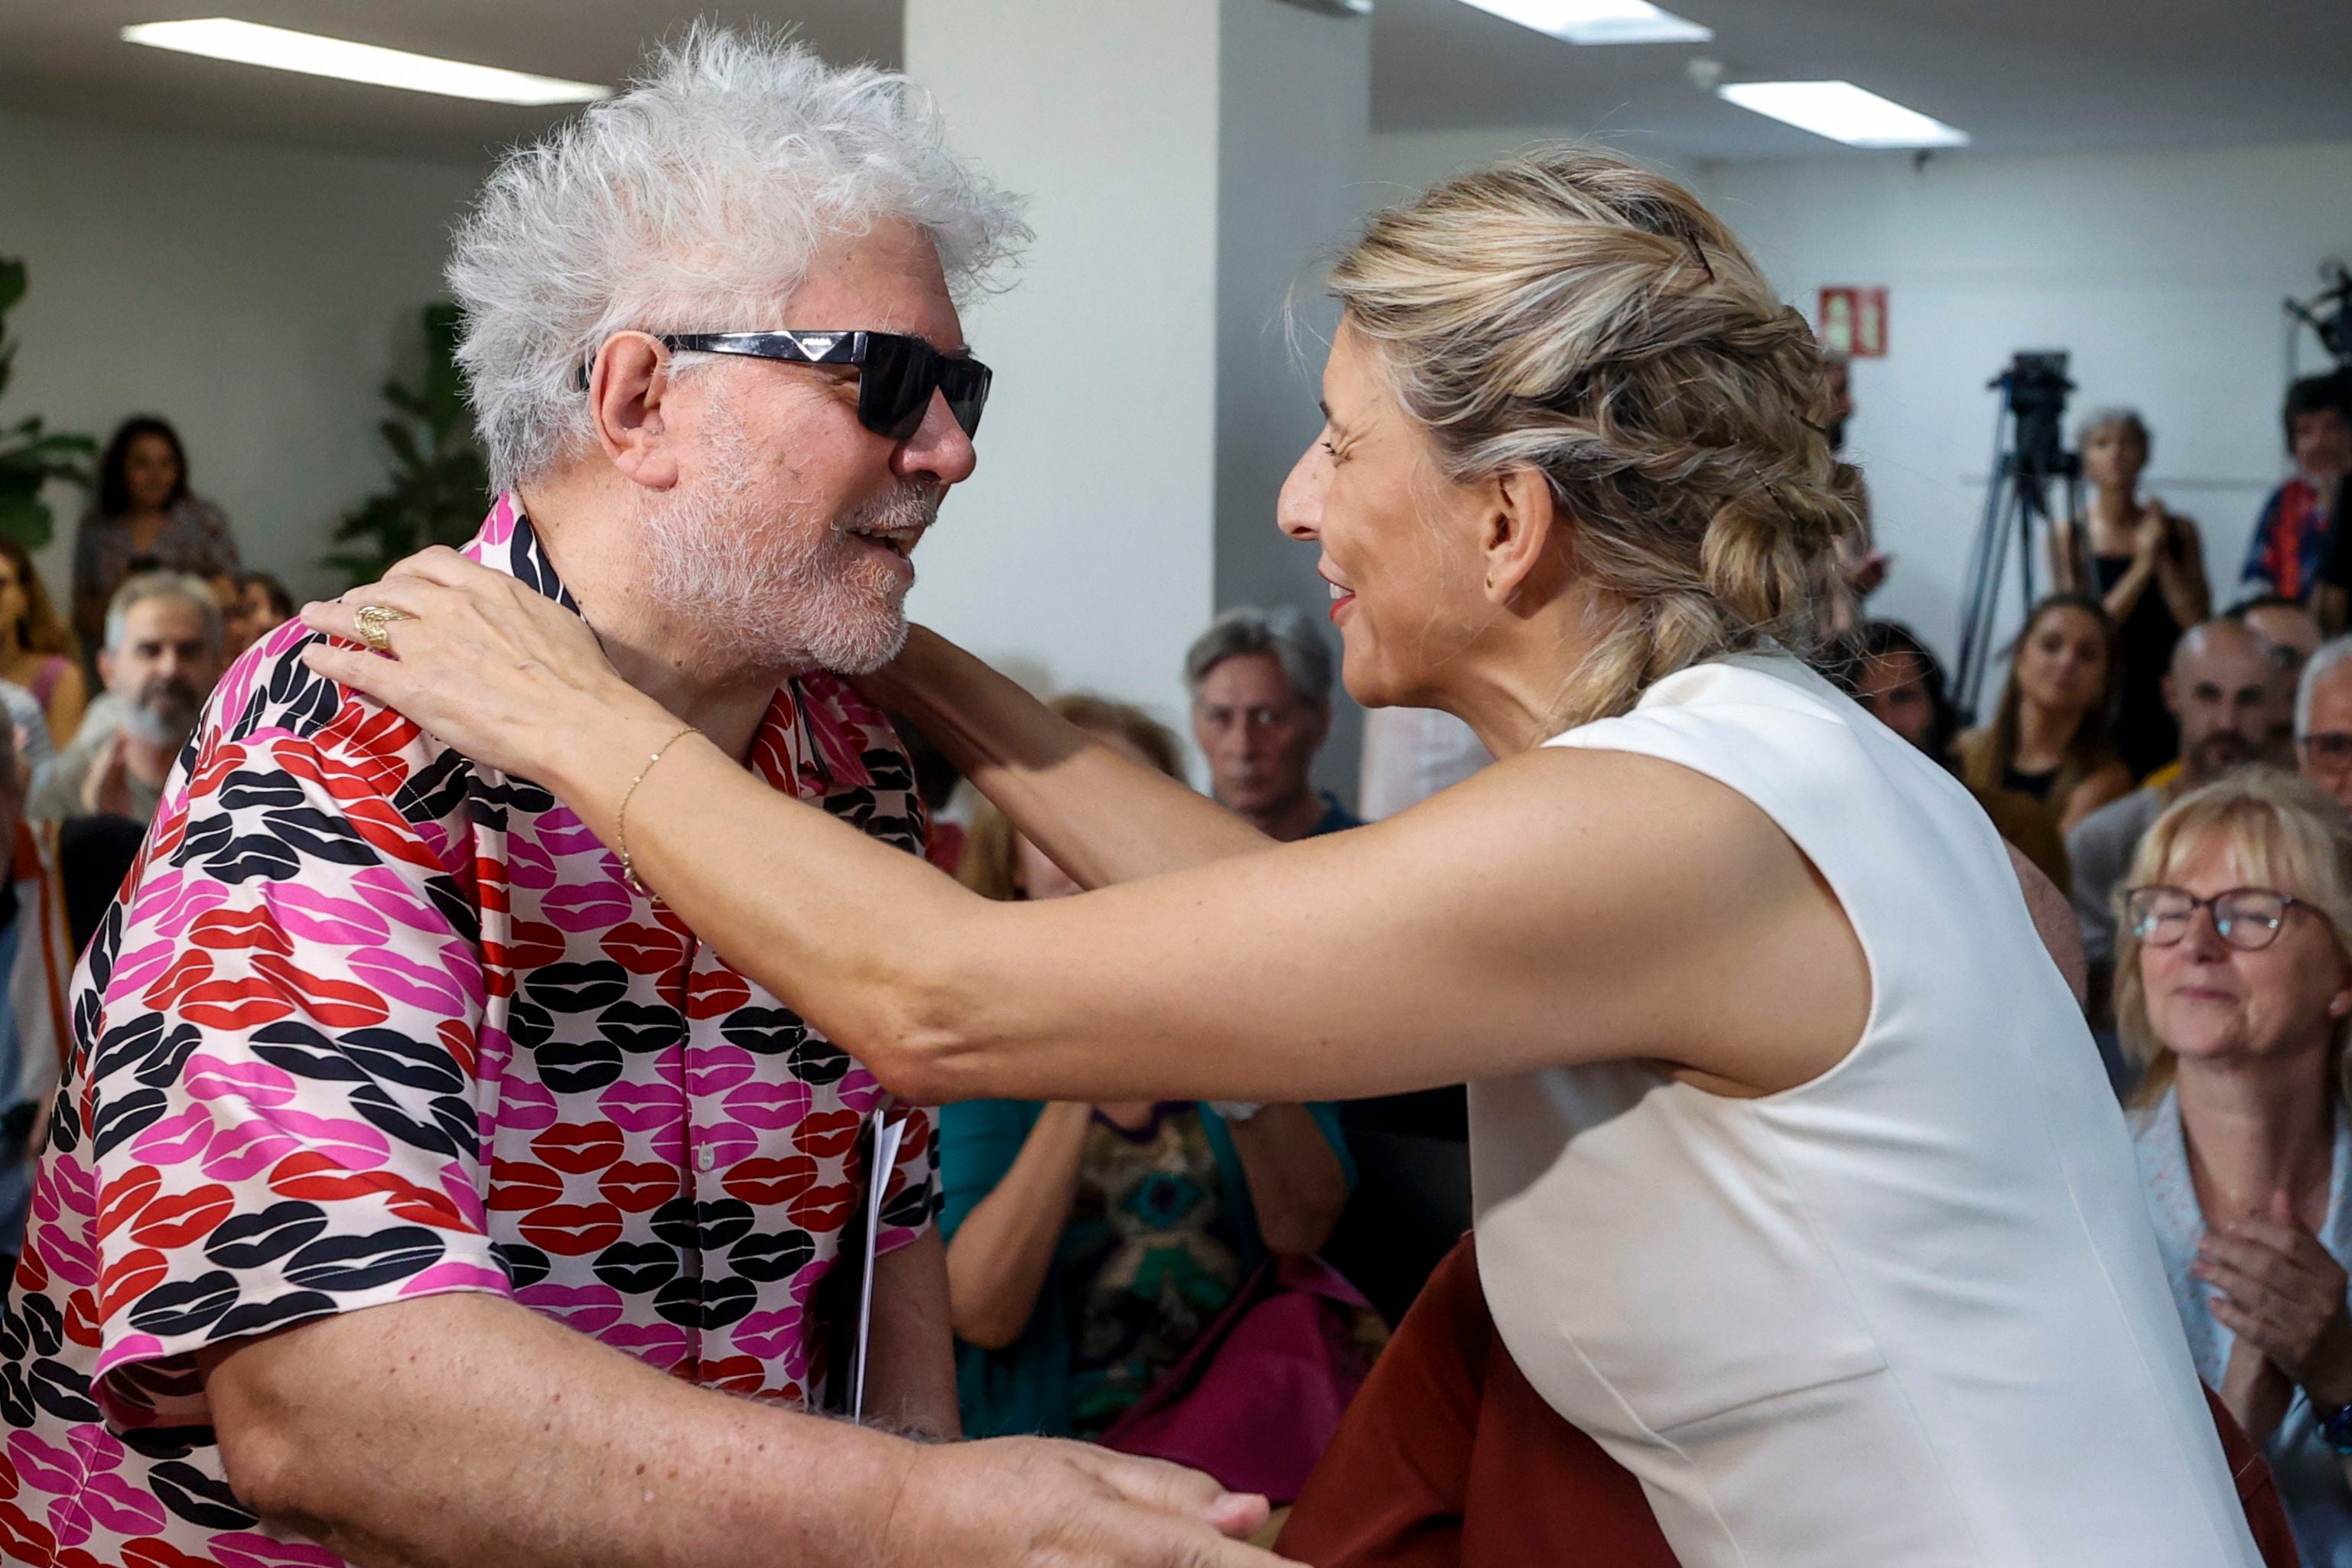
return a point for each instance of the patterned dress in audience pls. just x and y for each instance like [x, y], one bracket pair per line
[1150, 1266]
[375, 1024]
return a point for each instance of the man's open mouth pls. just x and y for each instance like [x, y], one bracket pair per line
[900, 541]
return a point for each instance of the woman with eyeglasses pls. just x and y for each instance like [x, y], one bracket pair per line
[1798, 1183]
[2234, 993]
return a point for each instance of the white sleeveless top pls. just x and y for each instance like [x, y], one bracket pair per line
[1908, 1313]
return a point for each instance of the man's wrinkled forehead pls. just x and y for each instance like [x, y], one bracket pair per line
[887, 278]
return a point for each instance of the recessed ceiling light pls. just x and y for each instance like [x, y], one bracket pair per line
[1842, 113]
[1599, 21]
[249, 43]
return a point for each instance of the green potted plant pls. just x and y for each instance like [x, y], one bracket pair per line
[29, 456]
[440, 485]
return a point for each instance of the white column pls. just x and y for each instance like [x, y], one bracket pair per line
[1186, 160]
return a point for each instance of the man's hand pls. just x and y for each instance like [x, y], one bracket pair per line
[106, 788]
[1018, 1501]
[2278, 1287]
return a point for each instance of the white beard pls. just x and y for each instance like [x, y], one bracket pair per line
[762, 584]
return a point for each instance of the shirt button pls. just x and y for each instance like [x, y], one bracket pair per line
[706, 1158]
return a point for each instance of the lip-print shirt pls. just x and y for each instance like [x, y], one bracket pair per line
[373, 1023]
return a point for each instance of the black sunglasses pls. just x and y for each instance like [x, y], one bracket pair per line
[896, 374]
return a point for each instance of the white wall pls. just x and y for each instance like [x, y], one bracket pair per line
[1081, 554]
[257, 297]
[2162, 274]
[1294, 126]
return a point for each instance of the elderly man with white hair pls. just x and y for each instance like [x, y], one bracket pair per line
[2323, 720]
[421, 1189]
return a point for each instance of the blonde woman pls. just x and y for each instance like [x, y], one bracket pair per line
[2234, 993]
[1798, 1183]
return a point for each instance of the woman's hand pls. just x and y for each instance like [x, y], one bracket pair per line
[2151, 533]
[503, 674]
[1031, 1500]
[2278, 1287]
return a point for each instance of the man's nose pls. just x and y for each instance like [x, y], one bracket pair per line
[938, 449]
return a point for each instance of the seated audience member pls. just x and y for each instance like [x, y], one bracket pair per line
[1091, 1246]
[37, 651]
[2146, 566]
[145, 519]
[2045, 759]
[1899, 682]
[2295, 535]
[2291, 634]
[1261, 685]
[2323, 720]
[161, 658]
[2218, 688]
[2234, 988]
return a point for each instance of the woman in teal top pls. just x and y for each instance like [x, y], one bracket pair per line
[1090, 1247]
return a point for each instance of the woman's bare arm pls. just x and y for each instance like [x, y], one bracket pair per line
[1563, 906]
[1101, 816]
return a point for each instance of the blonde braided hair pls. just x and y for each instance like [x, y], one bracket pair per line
[1569, 311]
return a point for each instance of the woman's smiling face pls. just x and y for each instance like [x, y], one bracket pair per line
[1399, 539]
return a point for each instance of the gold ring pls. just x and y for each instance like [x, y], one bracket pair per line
[375, 624]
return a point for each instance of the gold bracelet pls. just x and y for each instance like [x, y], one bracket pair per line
[621, 817]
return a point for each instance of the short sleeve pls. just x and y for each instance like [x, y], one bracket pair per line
[279, 1116]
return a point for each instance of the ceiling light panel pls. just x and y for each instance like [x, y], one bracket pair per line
[249, 43]
[1842, 113]
[1599, 21]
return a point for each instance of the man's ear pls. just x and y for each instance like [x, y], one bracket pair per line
[626, 392]
[2170, 694]
[106, 667]
[1522, 520]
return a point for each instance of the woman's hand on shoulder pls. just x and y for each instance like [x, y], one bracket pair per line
[501, 672]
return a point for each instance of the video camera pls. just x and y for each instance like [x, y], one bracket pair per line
[2035, 387]
[2329, 313]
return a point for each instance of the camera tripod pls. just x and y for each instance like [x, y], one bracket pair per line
[2028, 452]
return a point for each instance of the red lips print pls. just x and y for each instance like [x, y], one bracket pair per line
[639, 1187]
[573, 1230]
[336, 1003]
[827, 1134]
[236, 1005]
[579, 1149]
[182, 1217]
[735, 1374]
[522, 1184]
[128, 1278]
[224, 929]
[823, 1209]
[766, 1181]
[715, 992]
[644, 949]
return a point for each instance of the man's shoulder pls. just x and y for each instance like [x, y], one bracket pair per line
[271, 711]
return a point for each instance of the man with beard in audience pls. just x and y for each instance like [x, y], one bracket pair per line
[161, 655]
[2222, 688]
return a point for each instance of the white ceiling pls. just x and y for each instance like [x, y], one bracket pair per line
[2020, 76]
